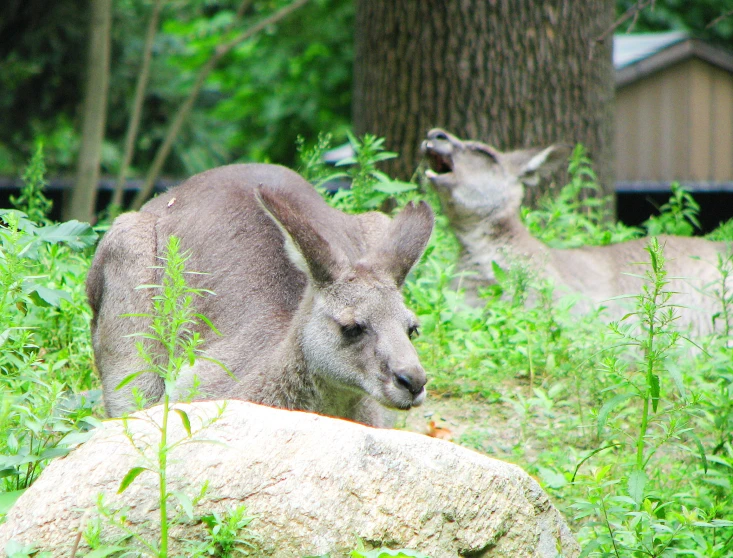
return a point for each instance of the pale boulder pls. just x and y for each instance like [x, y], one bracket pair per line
[316, 484]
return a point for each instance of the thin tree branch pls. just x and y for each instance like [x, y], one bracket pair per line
[719, 19]
[187, 105]
[137, 105]
[633, 11]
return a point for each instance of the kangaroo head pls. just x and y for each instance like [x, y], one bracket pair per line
[355, 331]
[475, 180]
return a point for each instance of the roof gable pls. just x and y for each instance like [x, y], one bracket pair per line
[637, 55]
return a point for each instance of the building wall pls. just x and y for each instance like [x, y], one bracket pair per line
[676, 124]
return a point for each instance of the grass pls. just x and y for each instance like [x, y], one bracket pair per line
[629, 430]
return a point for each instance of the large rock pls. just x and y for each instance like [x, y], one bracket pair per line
[315, 483]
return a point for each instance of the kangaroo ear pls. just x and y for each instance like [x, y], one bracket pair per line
[405, 240]
[306, 248]
[537, 164]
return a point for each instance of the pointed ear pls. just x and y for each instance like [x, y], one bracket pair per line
[536, 164]
[405, 240]
[306, 248]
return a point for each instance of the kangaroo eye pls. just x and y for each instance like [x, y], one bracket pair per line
[352, 332]
[413, 332]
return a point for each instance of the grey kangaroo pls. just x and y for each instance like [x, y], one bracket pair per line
[307, 298]
[481, 189]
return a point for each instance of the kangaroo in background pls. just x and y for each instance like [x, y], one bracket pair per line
[307, 298]
[481, 190]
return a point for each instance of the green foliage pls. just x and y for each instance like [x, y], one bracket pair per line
[678, 216]
[704, 18]
[170, 344]
[576, 216]
[311, 165]
[370, 188]
[226, 535]
[17, 550]
[627, 508]
[295, 81]
[46, 400]
[724, 232]
[292, 79]
[31, 201]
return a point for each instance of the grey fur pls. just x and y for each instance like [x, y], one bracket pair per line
[481, 190]
[290, 275]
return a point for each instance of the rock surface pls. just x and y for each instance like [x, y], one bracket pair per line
[316, 484]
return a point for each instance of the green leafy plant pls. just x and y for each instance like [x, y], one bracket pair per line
[31, 200]
[46, 400]
[312, 165]
[17, 550]
[678, 216]
[724, 232]
[370, 188]
[576, 216]
[226, 535]
[634, 512]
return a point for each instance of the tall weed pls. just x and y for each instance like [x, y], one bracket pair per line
[170, 345]
[639, 500]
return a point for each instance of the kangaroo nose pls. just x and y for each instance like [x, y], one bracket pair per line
[413, 380]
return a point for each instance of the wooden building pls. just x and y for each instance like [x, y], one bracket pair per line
[674, 117]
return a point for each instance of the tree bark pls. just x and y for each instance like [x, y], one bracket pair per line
[513, 73]
[84, 196]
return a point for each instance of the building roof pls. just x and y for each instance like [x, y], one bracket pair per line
[637, 55]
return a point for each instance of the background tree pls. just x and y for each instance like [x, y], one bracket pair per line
[42, 59]
[511, 73]
[133, 124]
[83, 199]
[291, 79]
[296, 78]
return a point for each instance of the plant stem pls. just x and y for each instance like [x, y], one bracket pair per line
[645, 412]
[650, 358]
[162, 463]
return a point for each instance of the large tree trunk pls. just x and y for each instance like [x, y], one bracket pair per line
[511, 73]
[84, 196]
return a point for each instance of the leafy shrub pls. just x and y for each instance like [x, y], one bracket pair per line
[678, 216]
[46, 395]
[576, 216]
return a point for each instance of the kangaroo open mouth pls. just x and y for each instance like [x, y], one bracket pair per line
[439, 163]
